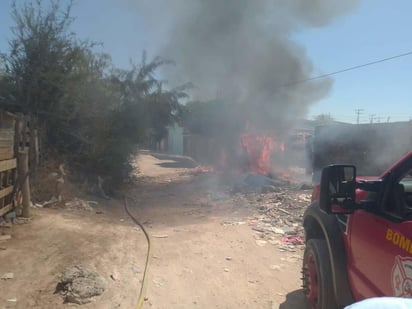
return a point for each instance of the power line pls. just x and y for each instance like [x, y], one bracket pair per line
[358, 112]
[351, 68]
[356, 67]
[375, 118]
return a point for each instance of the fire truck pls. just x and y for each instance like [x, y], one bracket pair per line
[358, 235]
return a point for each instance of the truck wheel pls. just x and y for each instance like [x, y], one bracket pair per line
[317, 275]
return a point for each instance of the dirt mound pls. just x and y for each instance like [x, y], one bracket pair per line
[79, 285]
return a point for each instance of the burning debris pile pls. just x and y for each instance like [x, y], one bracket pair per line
[257, 158]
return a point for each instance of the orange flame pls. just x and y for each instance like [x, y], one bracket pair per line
[259, 149]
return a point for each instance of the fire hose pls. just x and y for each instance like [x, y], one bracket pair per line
[143, 287]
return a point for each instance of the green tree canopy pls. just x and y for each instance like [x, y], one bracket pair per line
[88, 111]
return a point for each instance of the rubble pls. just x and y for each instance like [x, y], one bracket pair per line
[256, 183]
[261, 243]
[293, 240]
[11, 216]
[269, 188]
[80, 285]
[7, 276]
[234, 222]
[279, 211]
[21, 220]
[48, 204]
[74, 204]
[79, 204]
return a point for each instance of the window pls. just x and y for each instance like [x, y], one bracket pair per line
[399, 202]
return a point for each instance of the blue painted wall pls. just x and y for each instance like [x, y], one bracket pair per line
[175, 140]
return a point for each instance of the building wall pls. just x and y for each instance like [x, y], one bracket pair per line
[175, 140]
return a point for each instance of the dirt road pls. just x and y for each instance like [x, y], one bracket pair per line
[204, 254]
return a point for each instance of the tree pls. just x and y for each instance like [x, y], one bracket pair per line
[6, 87]
[43, 57]
[89, 112]
[144, 98]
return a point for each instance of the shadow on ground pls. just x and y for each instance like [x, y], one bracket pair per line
[177, 164]
[179, 161]
[294, 300]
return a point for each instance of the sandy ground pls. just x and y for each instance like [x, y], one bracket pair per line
[199, 261]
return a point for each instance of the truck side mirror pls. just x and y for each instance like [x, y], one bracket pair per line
[337, 189]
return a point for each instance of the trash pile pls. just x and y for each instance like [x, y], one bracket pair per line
[279, 221]
[280, 206]
[79, 204]
[74, 204]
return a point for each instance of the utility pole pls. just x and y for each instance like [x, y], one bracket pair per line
[389, 119]
[372, 117]
[358, 111]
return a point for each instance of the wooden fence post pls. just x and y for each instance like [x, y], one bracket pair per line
[23, 170]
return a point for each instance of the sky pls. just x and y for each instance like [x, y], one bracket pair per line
[376, 29]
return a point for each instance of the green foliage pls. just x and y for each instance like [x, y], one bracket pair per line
[43, 56]
[89, 111]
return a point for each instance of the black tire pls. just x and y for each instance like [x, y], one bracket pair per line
[317, 267]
